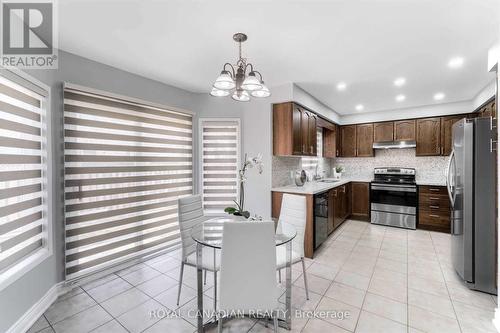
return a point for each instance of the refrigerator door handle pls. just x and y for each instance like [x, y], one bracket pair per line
[448, 182]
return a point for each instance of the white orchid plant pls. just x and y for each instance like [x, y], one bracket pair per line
[248, 163]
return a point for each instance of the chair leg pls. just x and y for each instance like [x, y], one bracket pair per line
[205, 278]
[279, 275]
[219, 324]
[180, 283]
[275, 322]
[215, 290]
[305, 277]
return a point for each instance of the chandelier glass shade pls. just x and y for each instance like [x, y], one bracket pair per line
[239, 80]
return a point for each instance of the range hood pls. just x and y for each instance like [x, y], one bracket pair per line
[395, 144]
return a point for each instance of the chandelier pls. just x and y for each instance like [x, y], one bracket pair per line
[234, 79]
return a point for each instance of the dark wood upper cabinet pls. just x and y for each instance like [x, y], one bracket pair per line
[404, 130]
[364, 140]
[446, 131]
[360, 200]
[329, 142]
[383, 131]
[312, 132]
[429, 136]
[294, 130]
[348, 140]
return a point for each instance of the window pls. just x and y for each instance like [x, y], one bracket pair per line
[126, 164]
[310, 163]
[220, 145]
[24, 229]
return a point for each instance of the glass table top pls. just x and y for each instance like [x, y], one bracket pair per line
[209, 232]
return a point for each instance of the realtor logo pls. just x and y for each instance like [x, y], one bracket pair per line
[28, 34]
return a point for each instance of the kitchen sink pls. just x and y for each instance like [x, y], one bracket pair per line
[329, 180]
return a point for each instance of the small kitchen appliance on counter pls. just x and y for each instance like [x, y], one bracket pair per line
[394, 197]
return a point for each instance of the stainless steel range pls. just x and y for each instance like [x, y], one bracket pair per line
[393, 197]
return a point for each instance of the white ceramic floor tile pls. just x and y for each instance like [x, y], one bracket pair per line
[318, 325]
[348, 322]
[110, 327]
[140, 275]
[68, 307]
[397, 292]
[99, 281]
[438, 304]
[139, 318]
[109, 289]
[386, 307]
[428, 286]
[84, 321]
[125, 301]
[353, 279]
[323, 271]
[431, 322]
[169, 297]
[157, 285]
[315, 283]
[346, 294]
[39, 325]
[371, 323]
[165, 265]
[177, 325]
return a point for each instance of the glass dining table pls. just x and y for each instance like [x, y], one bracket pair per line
[209, 233]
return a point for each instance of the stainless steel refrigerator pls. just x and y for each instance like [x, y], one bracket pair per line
[471, 188]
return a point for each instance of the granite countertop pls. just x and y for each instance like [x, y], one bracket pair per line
[315, 187]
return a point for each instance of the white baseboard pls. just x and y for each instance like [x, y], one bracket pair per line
[28, 319]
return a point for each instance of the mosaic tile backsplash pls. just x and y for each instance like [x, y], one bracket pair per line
[430, 169]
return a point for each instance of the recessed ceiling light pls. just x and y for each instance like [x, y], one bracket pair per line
[456, 62]
[439, 96]
[341, 86]
[360, 107]
[400, 98]
[400, 81]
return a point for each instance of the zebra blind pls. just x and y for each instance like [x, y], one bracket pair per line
[23, 194]
[126, 164]
[220, 152]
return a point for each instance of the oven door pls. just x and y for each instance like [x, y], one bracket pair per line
[394, 198]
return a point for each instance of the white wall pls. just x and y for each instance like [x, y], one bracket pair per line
[303, 97]
[484, 95]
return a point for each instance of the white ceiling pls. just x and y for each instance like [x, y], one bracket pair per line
[316, 44]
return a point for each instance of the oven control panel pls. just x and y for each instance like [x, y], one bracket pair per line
[394, 171]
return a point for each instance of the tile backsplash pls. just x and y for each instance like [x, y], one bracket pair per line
[283, 166]
[429, 168]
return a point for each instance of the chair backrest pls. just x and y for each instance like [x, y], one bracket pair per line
[293, 211]
[190, 215]
[248, 267]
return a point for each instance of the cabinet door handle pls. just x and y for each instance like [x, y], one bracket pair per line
[303, 147]
[433, 198]
[434, 207]
[434, 189]
[433, 215]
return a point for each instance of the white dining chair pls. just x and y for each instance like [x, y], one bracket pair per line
[248, 271]
[293, 211]
[190, 215]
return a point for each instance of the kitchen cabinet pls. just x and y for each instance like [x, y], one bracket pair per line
[364, 140]
[332, 210]
[383, 131]
[294, 130]
[348, 140]
[329, 142]
[446, 131]
[404, 130]
[434, 208]
[428, 136]
[488, 110]
[356, 140]
[360, 200]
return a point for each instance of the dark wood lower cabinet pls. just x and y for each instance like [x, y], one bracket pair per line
[434, 209]
[360, 201]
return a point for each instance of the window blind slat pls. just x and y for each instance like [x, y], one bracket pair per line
[220, 147]
[125, 166]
